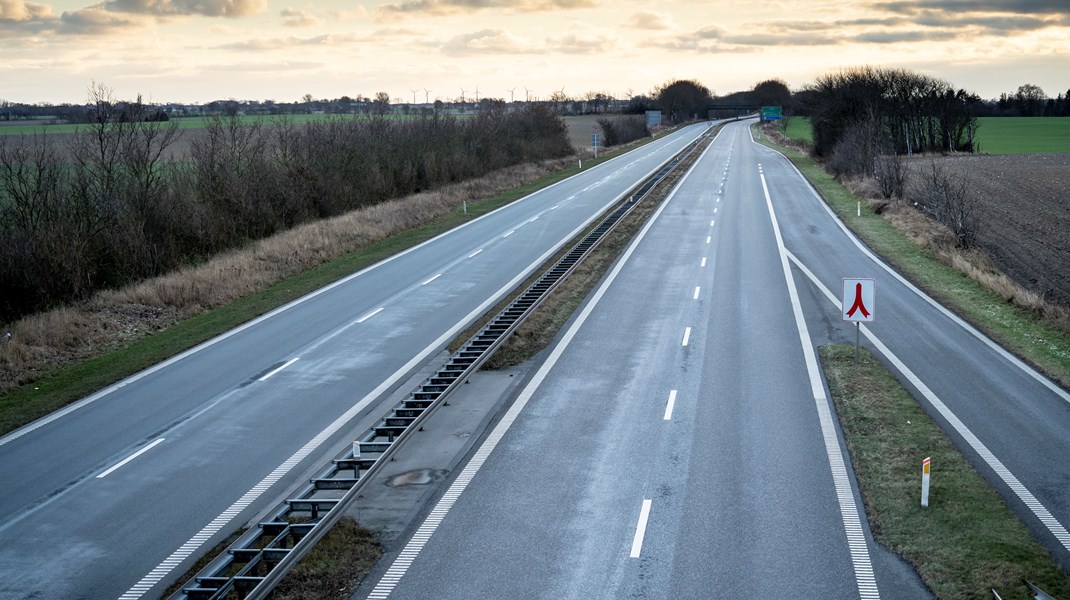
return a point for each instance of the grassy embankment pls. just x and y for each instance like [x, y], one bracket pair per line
[1013, 327]
[967, 541]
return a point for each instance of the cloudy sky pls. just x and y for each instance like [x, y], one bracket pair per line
[202, 50]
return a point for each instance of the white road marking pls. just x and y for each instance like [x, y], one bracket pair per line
[709, 238]
[943, 310]
[852, 519]
[371, 314]
[116, 466]
[412, 549]
[715, 211]
[533, 219]
[711, 222]
[703, 262]
[508, 234]
[1039, 510]
[640, 529]
[572, 197]
[554, 207]
[687, 336]
[286, 364]
[472, 255]
[697, 288]
[432, 279]
[669, 405]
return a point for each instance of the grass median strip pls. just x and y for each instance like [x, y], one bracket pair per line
[967, 542]
[1016, 329]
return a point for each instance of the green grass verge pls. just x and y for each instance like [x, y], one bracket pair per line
[199, 122]
[798, 129]
[1014, 328]
[1023, 135]
[967, 541]
[68, 384]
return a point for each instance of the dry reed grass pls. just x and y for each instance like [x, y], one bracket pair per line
[972, 262]
[39, 344]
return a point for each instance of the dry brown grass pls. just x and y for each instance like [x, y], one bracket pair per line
[41, 343]
[972, 262]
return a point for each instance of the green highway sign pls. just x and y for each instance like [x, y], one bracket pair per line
[771, 113]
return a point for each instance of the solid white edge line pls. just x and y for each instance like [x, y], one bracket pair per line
[371, 314]
[412, 548]
[1035, 506]
[186, 550]
[669, 405]
[432, 279]
[45, 420]
[640, 529]
[119, 464]
[947, 313]
[276, 371]
[849, 512]
[687, 336]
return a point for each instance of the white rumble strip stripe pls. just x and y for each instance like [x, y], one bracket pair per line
[852, 520]
[412, 549]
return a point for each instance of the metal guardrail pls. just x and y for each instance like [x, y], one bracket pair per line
[254, 563]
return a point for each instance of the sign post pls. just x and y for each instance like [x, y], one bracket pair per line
[925, 481]
[595, 143]
[858, 304]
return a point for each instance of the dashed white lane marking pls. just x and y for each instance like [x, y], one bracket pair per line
[711, 222]
[412, 549]
[715, 211]
[371, 314]
[431, 279]
[533, 219]
[709, 238]
[687, 336]
[669, 405]
[472, 255]
[554, 207]
[640, 529]
[284, 365]
[703, 262]
[1039, 510]
[119, 464]
[697, 289]
[852, 520]
[509, 234]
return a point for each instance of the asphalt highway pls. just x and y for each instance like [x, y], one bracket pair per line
[674, 444]
[117, 496]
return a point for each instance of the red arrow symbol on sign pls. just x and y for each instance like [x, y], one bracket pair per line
[858, 303]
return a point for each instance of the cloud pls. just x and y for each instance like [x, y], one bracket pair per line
[487, 41]
[648, 19]
[296, 17]
[1029, 7]
[452, 7]
[96, 20]
[206, 8]
[21, 12]
[266, 44]
[583, 43]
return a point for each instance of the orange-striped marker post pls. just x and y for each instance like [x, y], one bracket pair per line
[925, 481]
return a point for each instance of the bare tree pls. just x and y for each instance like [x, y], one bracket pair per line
[946, 197]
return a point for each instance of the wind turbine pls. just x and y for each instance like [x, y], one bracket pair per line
[527, 95]
[462, 95]
[477, 94]
[426, 95]
[414, 95]
[510, 95]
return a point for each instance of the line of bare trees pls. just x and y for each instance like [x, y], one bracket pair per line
[871, 111]
[119, 203]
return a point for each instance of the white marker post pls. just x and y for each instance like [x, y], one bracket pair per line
[925, 481]
[356, 449]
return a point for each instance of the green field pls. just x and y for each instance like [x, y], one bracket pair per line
[1023, 135]
[185, 122]
[995, 135]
